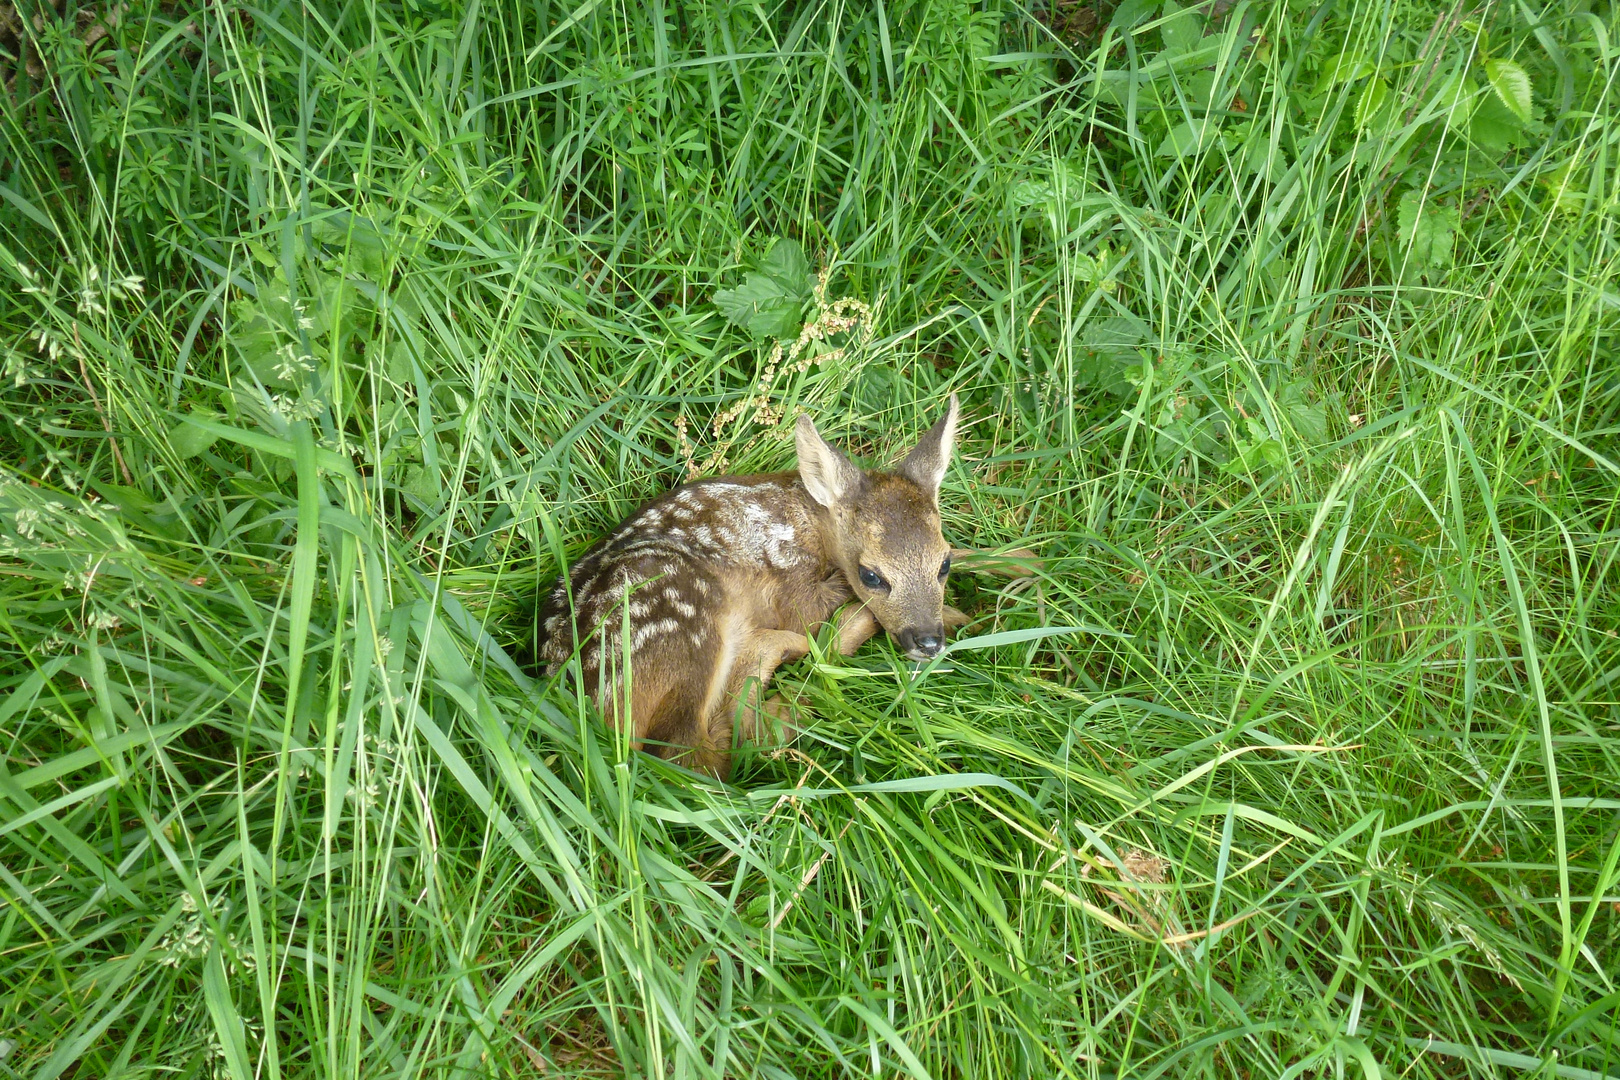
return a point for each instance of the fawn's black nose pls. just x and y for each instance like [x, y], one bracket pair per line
[923, 645]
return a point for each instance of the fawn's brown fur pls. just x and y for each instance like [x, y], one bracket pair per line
[713, 585]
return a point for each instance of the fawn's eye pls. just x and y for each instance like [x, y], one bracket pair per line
[944, 568]
[872, 579]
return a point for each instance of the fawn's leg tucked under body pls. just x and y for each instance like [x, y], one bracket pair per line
[736, 715]
[759, 654]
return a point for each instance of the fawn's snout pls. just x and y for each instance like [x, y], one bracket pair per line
[920, 645]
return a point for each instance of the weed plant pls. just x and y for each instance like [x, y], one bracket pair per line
[1285, 334]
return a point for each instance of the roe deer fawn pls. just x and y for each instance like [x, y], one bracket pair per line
[712, 585]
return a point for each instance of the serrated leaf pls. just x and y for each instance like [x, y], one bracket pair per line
[1493, 126]
[1105, 354]
[1181, 29]
[761, 306]
[1028, 193]
[770, 300]
[422, 483]
[1371, 102]
[1427, 232]
[1455, 99]
[786, 264]
[1308, 419]
[1565, 193]
[1512, 86]
[1130, 13]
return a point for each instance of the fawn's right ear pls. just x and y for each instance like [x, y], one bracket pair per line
[828, 475]
[926, 464]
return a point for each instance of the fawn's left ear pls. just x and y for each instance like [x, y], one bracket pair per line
[829, 476]
[925, 465]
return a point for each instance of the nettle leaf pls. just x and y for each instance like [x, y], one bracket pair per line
[770, 301]
[1427, 232]
[1512, 86]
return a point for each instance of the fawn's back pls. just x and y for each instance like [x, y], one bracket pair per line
[701, 593]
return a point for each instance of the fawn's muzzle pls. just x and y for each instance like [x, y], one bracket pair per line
[921, 644]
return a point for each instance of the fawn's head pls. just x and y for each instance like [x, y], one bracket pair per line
[885, 530]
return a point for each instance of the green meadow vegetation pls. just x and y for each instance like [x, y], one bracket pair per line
[1284, 333]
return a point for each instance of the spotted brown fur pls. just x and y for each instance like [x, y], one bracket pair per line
[706, 589]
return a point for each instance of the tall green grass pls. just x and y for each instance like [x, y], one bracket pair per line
[1285, 333]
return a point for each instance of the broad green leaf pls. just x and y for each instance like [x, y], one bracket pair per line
[761, 306]
[424, 484]
[1028, 193]
[1130, 13]
[1455, 100]
[786, 264]
[1189, 137]
[1347, 66]
[1494, 126]
[1512, 86]
[1182, 28]
[1257, 453]
[1308, 418]
[189, 440]
[1105, 354]
[1565, 192]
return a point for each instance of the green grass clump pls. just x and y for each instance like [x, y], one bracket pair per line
[1284, 332]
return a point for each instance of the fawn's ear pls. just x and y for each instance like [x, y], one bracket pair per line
[925, 465]
[828, 475]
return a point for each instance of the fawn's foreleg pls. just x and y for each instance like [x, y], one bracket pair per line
[759, 654]
[853, 627]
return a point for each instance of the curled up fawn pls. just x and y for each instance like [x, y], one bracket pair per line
[702, 593]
